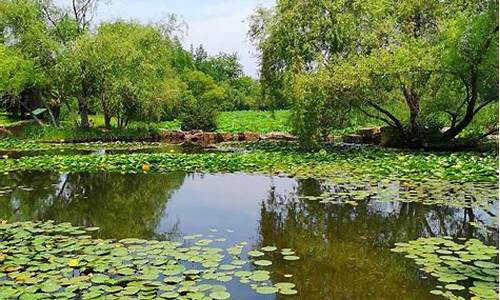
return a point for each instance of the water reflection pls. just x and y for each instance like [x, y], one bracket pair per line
[123, 206]
[344, 249]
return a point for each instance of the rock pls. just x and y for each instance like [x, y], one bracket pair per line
[203, 138]
[218, 137]
[251, 136]
[5, 132]
[228, 137]
[171, 136]
[371, 135]
[444, 129]
[17, 128]
[389, 137]
[178, 136]
[280, 136]
[352, 139]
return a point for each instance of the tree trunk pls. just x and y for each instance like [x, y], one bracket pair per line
[84, 112]
[414, 135]
[56, 111]
[31, 99]
[107, 120]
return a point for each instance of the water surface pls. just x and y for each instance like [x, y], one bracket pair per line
[344, 249]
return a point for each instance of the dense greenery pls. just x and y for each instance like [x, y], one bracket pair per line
[437, 60]
[53, 66]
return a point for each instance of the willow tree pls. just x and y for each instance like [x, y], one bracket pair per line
[437, 59]
[120, 71]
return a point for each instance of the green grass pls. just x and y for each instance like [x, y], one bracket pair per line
[6, 119]
[244, 121]
[55, 134]
[254, 121]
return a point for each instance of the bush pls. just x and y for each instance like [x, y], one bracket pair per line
[197, 115]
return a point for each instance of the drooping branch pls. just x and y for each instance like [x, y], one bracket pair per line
[469, 112]
[454, 117]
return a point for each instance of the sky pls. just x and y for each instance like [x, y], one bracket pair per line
[220, 25]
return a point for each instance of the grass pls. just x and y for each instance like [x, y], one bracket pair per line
[254, 121]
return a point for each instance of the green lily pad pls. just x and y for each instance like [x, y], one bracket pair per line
[266, 290]
[220, 295]
[263, 263]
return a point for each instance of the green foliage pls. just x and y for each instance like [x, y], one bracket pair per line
[242, 92]
[122, 70]
[440, 60]
[135, 82]
[197, 115]
[199, 109]
[315, 111]
[16, 73]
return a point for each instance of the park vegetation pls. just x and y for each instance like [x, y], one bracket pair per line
[426, 70]
[54, 65]
[437, 61]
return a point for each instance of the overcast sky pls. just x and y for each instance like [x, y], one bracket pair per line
[220, 25]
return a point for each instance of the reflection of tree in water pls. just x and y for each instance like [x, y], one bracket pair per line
[344, 250]
[128, 205]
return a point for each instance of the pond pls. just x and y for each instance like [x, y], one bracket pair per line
[344, 246]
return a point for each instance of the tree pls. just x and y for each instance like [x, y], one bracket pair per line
[439, 60]
[26, 35]
[17, 74]
[122, 84]
[40, 31]
[199, 108]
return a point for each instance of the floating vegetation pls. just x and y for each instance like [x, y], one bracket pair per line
[49, 260]
[462, 265]
[419, 166]
[431, 192]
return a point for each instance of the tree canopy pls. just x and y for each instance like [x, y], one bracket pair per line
[56, 58]
[437, 59]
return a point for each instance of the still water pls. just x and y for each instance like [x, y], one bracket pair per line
[344, 249]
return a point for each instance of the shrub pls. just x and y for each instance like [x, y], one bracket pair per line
[198, 115]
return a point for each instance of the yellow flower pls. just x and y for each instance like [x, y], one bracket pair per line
[73, 263]
[146, 167]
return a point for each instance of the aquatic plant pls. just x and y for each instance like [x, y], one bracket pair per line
[463, 167]
[43, 260]
[464, 265]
